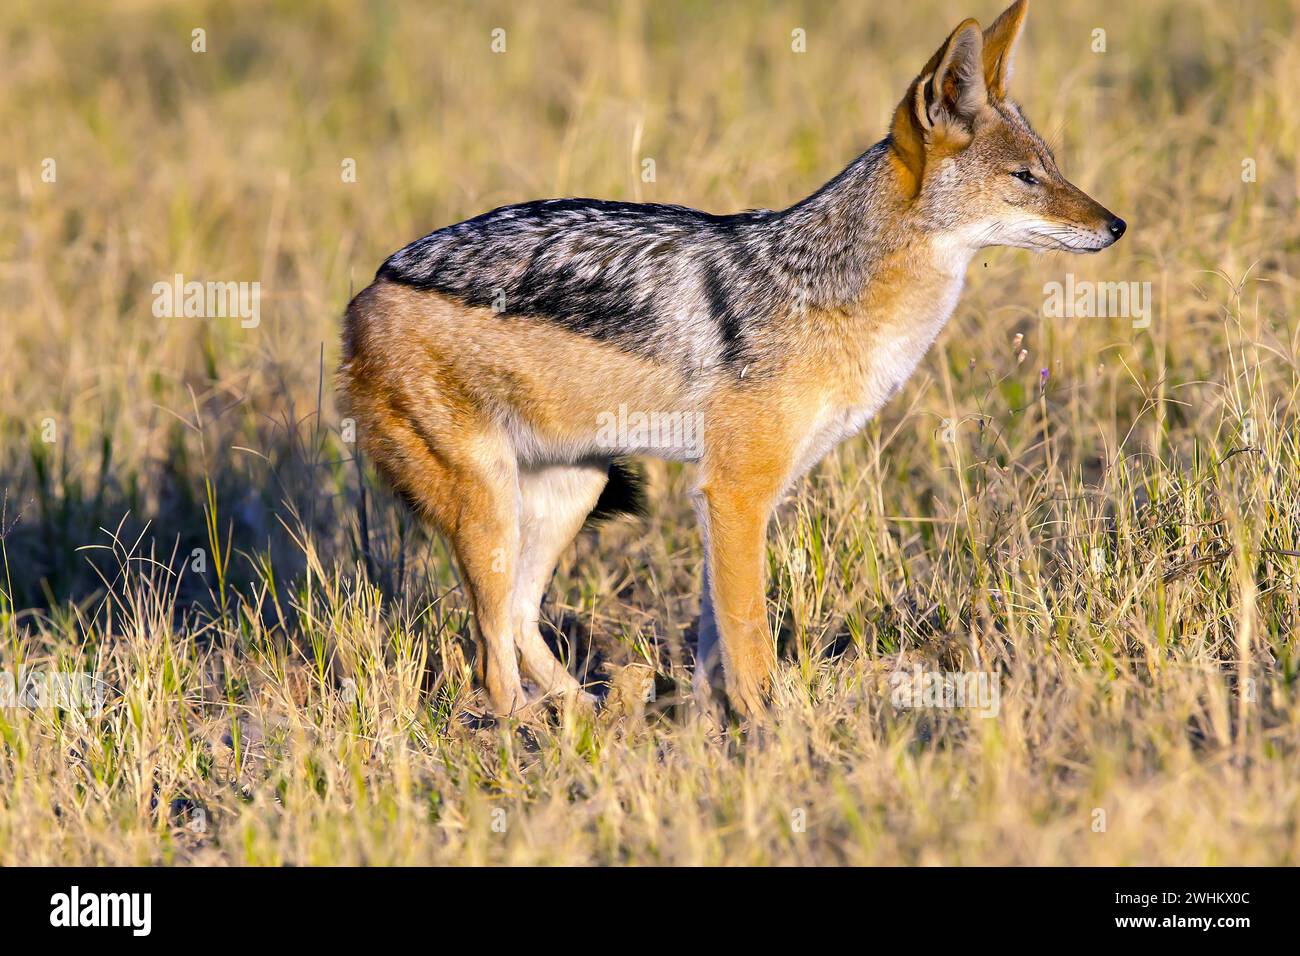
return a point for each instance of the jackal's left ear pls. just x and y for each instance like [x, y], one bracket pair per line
[942, 104]
[955, 92]
[999, 45]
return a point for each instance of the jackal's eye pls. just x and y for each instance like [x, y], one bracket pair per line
[1025, 176]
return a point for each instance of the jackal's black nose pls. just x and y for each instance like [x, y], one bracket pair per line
[1117, 227]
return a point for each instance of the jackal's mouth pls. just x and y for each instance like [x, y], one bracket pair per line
[1068, 237]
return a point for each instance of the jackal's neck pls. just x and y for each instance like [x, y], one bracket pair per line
[834, 243]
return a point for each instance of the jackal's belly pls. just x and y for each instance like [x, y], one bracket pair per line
[597, 423]
[558, 396]
[562, 397]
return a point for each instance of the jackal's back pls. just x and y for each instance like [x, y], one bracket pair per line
[665, 282]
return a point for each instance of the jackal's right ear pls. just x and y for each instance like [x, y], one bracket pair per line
[940, 107]
[999, 44]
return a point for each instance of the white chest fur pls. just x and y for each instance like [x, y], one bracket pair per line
[892, 354]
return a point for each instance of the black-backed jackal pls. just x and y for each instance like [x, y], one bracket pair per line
[491, 364]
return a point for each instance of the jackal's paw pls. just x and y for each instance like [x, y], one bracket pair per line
[509, 703]
[546, 706]
[563, 692]
[578, 700]
[749, 697]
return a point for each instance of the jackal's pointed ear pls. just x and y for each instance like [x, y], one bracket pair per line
[999, 45]
[954, 92]
[943, 101]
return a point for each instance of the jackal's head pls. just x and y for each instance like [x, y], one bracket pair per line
[976, 168]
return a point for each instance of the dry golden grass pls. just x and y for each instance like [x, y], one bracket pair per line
[1119, 544]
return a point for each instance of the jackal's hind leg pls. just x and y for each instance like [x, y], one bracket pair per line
[465, 485]
[486, 542]
[553, 503]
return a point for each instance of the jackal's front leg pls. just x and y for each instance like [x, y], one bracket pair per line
[735, 514]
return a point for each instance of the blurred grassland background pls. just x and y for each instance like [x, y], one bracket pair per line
[1110, 522]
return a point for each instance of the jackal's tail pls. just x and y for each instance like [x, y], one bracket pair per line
[623, 494]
